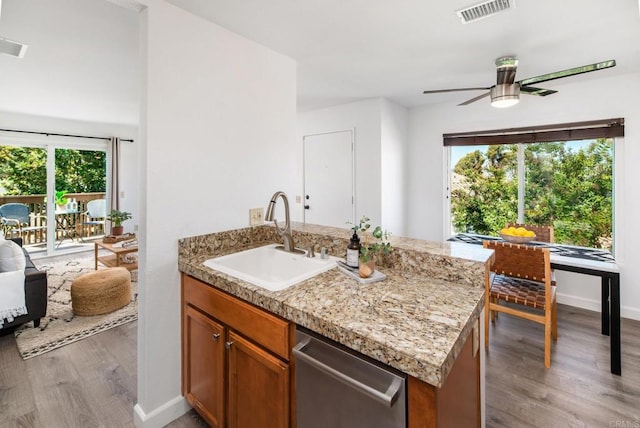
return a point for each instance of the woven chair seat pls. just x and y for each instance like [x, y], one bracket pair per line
[519, 291]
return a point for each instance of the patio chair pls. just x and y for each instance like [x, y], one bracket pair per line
[16, 217]
[94, 217]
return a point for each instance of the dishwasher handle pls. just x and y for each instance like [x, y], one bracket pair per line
[388, 397]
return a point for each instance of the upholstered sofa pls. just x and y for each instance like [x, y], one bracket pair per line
[35, 287]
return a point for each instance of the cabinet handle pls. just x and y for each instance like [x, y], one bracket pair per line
[228, 344]
[215, 336]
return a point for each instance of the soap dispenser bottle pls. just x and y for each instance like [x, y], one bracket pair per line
[353, 251]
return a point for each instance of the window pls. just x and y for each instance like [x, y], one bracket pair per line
[565, 183]
[484, 188]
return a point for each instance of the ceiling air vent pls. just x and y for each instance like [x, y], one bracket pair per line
[9, 47]
[484, 9]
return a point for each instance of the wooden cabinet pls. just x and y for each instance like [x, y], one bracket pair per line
[204, 370]
[235, 359]
[258, 386]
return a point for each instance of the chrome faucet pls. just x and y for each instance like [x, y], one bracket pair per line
[285, 232]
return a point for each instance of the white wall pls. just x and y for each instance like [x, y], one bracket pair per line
[129, 154]
[393, 179]
[380, 155]
[218, 132]
[583, 100]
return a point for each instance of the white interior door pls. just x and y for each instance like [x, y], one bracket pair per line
[329, 179]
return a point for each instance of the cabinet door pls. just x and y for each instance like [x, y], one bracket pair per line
[203, 370]
[258, 386]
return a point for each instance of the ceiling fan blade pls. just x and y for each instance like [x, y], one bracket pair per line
[566, 73]
[474, 99]
[436, 91]
[530, 90]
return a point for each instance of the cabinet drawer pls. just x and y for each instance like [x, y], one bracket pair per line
[264, 328]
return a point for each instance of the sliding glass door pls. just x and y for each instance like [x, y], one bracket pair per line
[79, 177]
[53, 184]
[23, 188]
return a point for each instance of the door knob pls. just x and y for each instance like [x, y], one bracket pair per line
[306, 207]
[228, 344]
[215, 336]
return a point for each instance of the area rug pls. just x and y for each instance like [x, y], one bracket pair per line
[61, 326]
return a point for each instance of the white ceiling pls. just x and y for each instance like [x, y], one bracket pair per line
[82, 56]
[81, 63]
[353, 49]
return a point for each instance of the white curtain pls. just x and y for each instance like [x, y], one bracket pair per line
[114, 195]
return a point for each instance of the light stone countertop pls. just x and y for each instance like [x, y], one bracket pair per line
[412, 321]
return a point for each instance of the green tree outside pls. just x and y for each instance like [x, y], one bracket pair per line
[23, 170]
[81, 171]
[488, 196]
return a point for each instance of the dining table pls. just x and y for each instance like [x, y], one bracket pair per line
[589, 261]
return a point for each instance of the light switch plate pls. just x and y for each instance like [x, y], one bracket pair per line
[256, 216]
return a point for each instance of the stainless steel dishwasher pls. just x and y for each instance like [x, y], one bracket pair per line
[338, 389]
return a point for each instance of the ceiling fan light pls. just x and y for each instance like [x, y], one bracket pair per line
[505, 102]
[503, 96]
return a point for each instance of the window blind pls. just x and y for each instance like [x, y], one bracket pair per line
[608, 128]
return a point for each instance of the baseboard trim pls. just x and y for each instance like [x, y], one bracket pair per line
[594, 305]
[578, 302]
[162, 415]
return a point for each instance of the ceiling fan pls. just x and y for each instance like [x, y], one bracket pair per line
[506, 91]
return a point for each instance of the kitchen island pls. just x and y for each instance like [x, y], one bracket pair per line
[420, 320]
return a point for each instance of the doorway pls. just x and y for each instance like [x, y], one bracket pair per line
[329, 179]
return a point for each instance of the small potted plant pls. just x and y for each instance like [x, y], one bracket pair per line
[61, 199]
[116, 218]
[375, 243]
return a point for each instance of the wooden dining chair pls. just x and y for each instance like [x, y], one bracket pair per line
[544, 233]
[521, 276]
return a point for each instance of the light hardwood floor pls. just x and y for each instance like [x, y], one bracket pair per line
[92, 383]
[578, 390]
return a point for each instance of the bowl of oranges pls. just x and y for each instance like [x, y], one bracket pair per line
[518, 235]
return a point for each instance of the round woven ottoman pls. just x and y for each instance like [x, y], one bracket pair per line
[101, 292]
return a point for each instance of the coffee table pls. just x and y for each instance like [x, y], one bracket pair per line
[113, 260]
